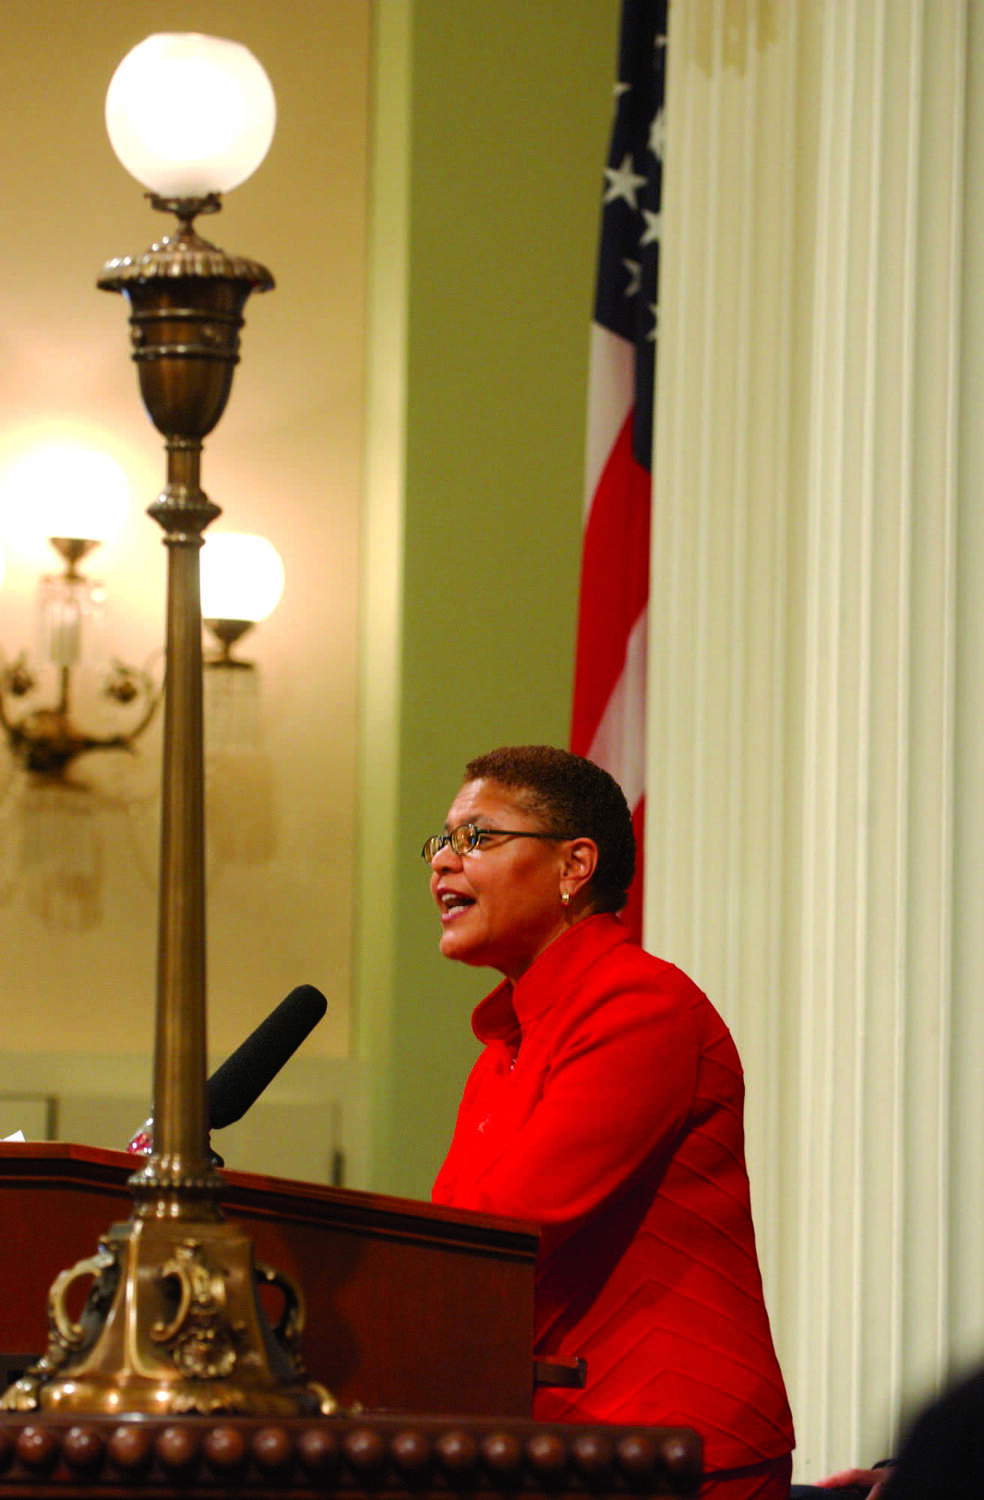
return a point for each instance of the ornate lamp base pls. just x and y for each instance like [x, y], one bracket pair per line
[172, 1323]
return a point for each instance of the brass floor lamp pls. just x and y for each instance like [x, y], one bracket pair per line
[173, 1321]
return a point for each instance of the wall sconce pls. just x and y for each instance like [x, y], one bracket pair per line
[242, 579]
[174, 1322]
[50, 837]
[76, 498]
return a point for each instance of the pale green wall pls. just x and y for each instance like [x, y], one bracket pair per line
[488, 171]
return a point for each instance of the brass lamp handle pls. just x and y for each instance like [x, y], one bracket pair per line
[66, 1332]
[291, 1325]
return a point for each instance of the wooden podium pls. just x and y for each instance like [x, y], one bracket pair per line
[410, 1307]
[422, 1315]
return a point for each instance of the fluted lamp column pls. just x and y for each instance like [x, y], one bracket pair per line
[173, 1321]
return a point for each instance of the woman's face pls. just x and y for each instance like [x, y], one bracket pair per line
[500, 903]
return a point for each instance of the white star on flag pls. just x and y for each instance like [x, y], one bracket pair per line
[654, 225]
[623, 182]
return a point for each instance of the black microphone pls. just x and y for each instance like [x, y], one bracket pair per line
[241, 1079]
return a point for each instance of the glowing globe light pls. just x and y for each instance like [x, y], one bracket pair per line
[65, 490]
[242, 577]
[190, 115]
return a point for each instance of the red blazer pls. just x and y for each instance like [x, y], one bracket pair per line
[607, 1108]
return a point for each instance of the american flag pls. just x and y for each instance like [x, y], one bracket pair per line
[610, 674]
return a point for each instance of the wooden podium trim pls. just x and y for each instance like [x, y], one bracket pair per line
[66, 1163]
[415, 1458]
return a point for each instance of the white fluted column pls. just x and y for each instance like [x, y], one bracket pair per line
[813, 760]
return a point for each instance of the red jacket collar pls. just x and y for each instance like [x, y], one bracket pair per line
[503, 1014]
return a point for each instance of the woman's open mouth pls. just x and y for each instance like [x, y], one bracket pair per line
[452, 904]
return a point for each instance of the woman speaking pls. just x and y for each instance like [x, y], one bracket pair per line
[606, 1107]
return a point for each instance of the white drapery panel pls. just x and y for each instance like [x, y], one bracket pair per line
[816, 693]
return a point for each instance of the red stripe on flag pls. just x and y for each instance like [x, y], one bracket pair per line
[614, 584]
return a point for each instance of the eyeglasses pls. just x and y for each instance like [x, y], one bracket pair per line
[468, 836]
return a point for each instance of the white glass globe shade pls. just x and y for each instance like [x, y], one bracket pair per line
[242, 577]
[189, 114]
[64, 489]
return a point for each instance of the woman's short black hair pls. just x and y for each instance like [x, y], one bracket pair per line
[574, 797]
